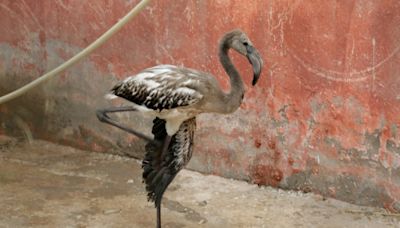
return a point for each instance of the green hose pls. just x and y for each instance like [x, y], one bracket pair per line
[89, 49]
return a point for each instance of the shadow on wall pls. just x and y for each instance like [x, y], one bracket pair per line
[47, 113]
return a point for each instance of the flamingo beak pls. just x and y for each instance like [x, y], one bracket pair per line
[255, 60]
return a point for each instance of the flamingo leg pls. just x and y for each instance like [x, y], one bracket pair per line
[164, 150]
[159, 216]
[103, 117]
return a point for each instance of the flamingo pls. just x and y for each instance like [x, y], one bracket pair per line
[174, 96]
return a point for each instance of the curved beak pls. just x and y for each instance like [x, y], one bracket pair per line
[255, 60]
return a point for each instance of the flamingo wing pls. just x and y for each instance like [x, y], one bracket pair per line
[160, 87]
[158, 172]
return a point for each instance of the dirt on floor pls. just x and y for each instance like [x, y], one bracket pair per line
[48, 185]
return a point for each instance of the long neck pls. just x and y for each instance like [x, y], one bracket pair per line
[233, 99]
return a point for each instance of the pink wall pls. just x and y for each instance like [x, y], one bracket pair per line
[324, 117]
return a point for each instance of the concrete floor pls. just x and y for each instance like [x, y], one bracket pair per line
[47, 185]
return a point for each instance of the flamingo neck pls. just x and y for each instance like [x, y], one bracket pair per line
[232, 100]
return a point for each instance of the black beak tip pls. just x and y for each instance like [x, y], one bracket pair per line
[254, 82]
[255, 79]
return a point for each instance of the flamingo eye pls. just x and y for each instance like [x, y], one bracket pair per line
[245, 43]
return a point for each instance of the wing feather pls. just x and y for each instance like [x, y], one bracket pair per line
[158, 88]
[158, 172]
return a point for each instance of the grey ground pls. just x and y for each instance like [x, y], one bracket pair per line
[47, 185]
